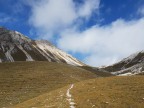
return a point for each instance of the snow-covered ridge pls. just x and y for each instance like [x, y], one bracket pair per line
[132, 65]
[14, 46]
[131, 57]
[134, 70]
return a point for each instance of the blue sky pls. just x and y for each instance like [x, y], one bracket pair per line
[98, 32]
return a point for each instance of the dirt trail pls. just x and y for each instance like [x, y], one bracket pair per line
[69, 97]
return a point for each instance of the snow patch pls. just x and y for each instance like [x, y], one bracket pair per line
[126, 74]
[134, 70]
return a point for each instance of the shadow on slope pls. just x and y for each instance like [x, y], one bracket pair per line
[97, 71]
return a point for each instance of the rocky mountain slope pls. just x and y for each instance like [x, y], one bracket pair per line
[14, 46]
[132, 65]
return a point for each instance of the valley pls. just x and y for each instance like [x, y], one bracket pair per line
[36, 74]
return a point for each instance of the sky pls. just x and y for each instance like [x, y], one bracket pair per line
[97, 32]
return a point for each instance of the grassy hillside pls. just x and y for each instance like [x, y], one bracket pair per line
[111, 92]
[97, 71]
[21, 81]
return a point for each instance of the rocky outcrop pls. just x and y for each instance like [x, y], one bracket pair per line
[14, 46]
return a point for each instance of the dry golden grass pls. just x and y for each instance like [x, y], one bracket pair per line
[21, 81]
[111, 92]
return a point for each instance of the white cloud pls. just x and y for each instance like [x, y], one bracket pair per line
[105, 44]
[87, 8]
[141, 11]
[95, 60]
[53, 16]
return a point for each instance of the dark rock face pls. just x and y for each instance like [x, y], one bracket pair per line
[14, 46]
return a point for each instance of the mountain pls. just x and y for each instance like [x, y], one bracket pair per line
[56, 84]
[132, 65]
[14, 46]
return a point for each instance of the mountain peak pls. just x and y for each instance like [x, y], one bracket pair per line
[134, 64]
[15, 46]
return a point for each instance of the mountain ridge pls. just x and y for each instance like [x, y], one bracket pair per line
[15, 46]
[131, 65]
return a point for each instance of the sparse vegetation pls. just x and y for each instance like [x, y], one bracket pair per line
[111, 92]
[21, 81]
[44, 84]
[99, 72]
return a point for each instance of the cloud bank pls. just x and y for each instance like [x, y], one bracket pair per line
[106, 44]
[51, 16]
[103, 45]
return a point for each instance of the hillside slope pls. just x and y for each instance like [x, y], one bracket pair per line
[21, 81]
[111, 92]
[14, 46]
[132, 65]
[97, 71]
